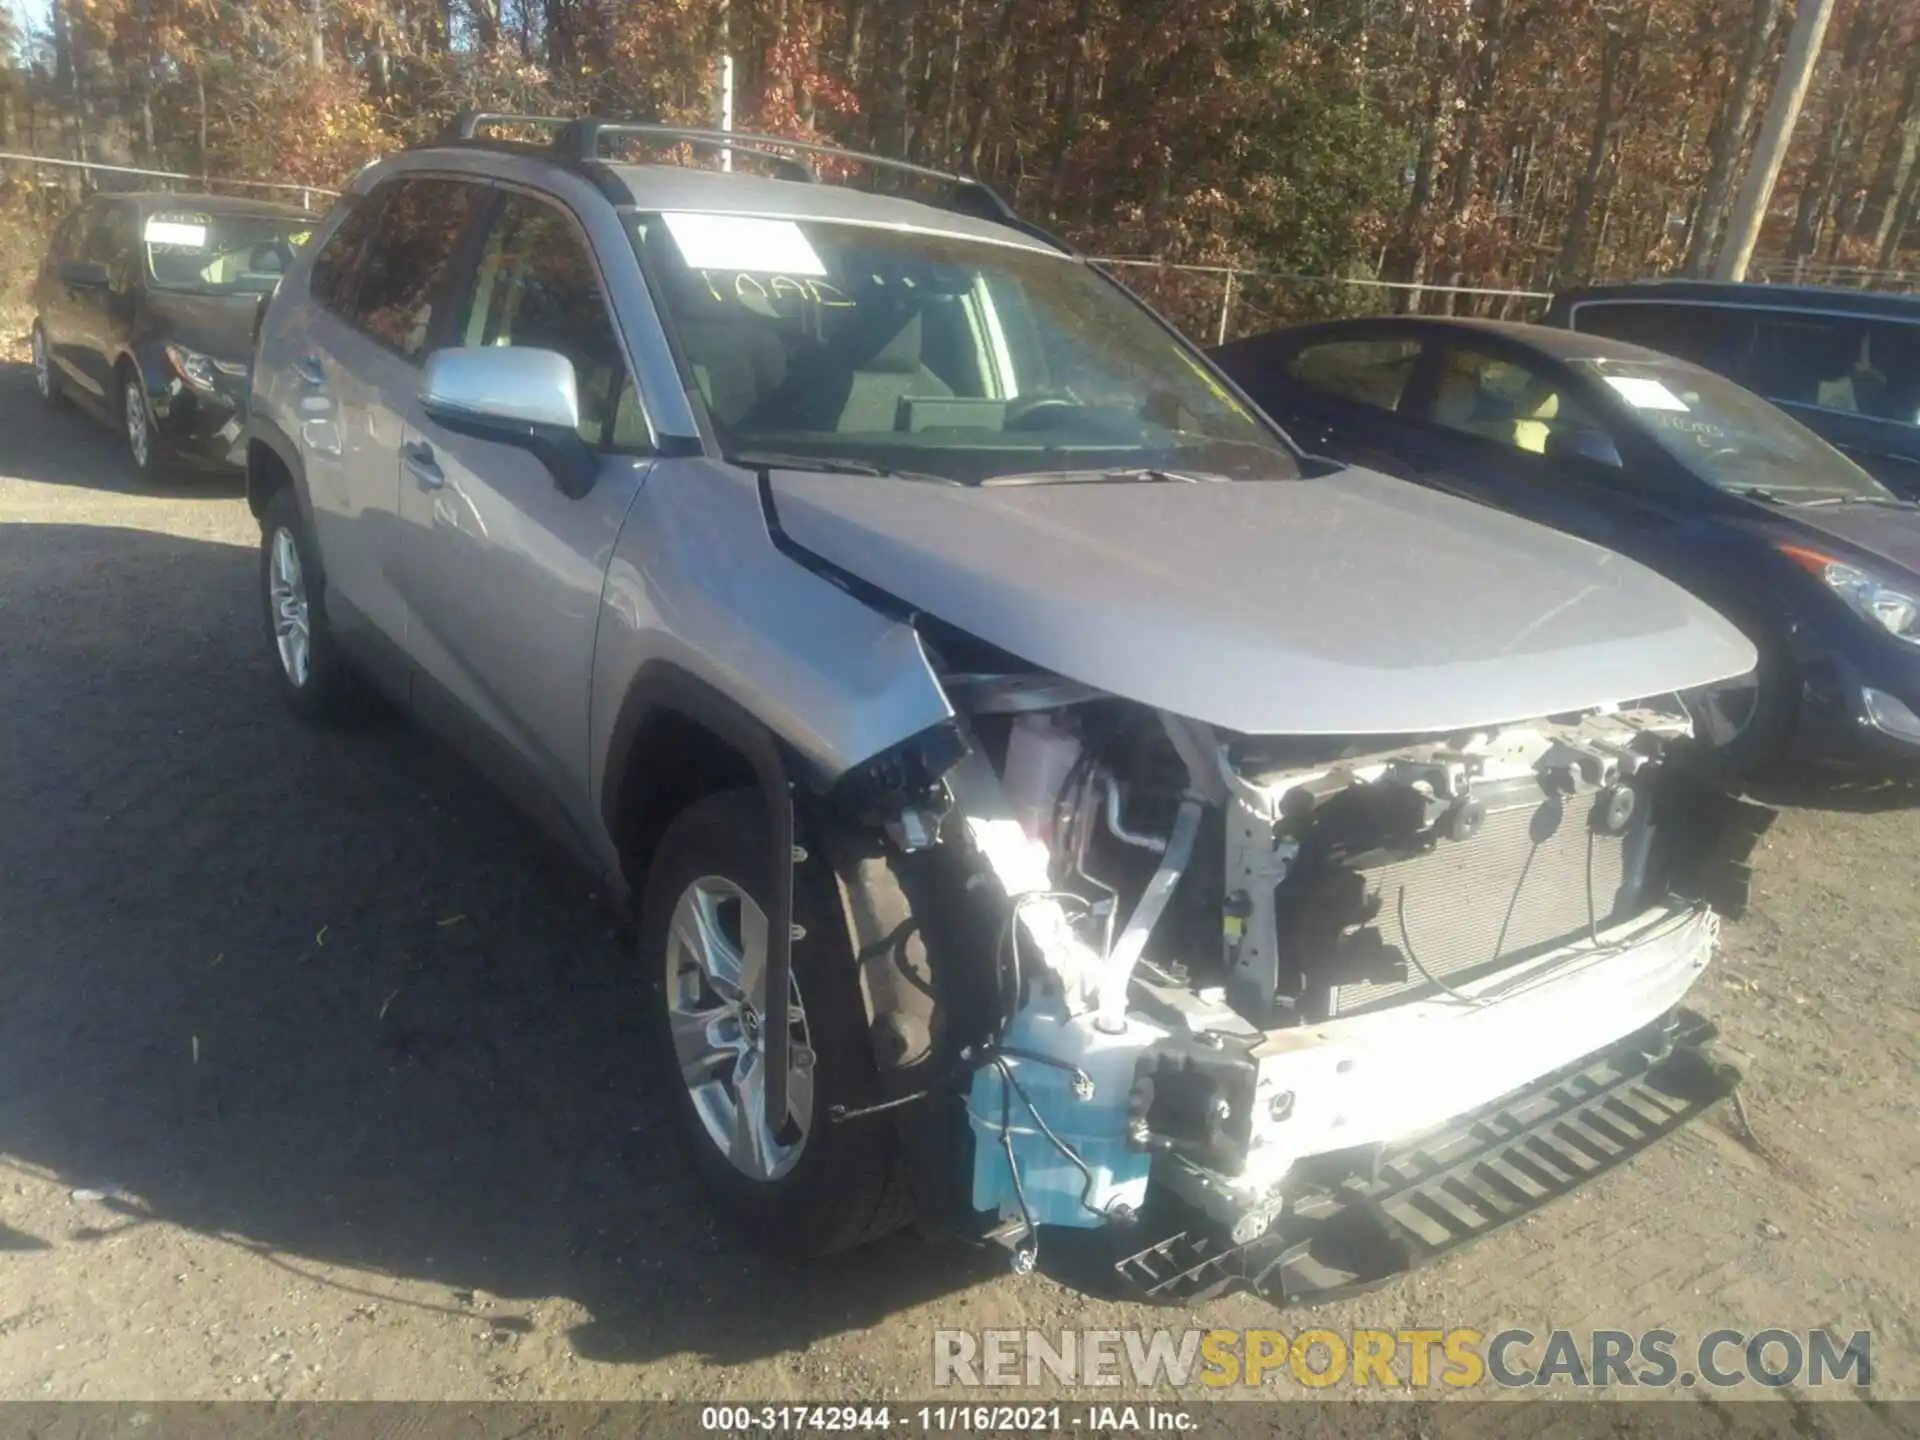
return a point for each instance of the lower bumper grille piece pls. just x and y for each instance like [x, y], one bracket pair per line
[1361, 1220]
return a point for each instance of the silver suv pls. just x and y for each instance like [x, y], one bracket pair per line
[1047, 798]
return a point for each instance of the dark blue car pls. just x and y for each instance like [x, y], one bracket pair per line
[1658, 459]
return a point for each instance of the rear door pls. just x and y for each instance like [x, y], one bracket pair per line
[1853, 380]
[501, 571]
[1332, 393]
[379, 285]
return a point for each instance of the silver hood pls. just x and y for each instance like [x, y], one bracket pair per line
[1352, 604]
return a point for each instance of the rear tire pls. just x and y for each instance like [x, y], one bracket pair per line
[806, 1187]
[315, 678]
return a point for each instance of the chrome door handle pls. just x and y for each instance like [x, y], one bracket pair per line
[309, 370]
[418, 458]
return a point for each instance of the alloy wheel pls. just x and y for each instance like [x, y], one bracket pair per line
[716, 996]
[139, 425]
[287, 603]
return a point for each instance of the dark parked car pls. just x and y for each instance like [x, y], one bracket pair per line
[1660, 460]
[1845, 363]
[145, 308]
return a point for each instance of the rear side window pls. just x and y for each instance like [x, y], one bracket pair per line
[1837, 363]
[404, 275]
[337, 264]
[1373, 372]
[1709, 336]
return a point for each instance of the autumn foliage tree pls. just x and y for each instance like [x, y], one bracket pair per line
[1441, 144]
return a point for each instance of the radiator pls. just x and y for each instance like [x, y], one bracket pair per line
[1534, 878]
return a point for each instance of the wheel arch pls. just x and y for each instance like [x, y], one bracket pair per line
[273, 464]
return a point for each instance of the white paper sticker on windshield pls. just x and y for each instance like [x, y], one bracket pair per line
[1644, 394]
[743, 242]
[176, 232]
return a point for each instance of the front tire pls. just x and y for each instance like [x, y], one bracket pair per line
[315, 678]
[137, 427]
[799, 1185]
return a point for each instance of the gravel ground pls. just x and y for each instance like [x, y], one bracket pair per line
[315, 1077]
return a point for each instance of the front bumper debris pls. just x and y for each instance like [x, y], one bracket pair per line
[1360, 1219]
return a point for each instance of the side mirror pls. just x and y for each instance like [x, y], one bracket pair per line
[84, 274]
[1583, 443]
[523, 397]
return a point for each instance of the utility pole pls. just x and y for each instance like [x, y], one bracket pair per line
[1783, 113]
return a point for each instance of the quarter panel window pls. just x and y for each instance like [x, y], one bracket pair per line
[1374, 372]
[408, 260]
[536, 286]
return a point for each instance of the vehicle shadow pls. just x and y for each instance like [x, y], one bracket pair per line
[67, 446]
[1811, 787]
[324, 996]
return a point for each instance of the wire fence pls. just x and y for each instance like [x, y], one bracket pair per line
[1212, 303]
[212, 184]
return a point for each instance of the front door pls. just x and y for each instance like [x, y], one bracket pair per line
[1855, 381]
[1500, 427]
[99, 313]
[501, 572]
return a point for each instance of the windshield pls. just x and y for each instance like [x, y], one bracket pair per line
[943, 357]
[1731, 437]
[221, 254]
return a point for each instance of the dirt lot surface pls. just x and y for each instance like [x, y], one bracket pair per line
[317, 1077]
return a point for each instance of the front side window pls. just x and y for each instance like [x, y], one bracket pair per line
[1503, 400]
[336, 267]
[1703, 334]
[110, 236]
[220, 253]
[936, 354]
[536, 286]
[1728, 436]
[1373, 372]
[404, 275]
[1855, 367]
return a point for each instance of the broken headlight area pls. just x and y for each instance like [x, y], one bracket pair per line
[1217, 959]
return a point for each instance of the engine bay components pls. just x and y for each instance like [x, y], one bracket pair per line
[1221, 959]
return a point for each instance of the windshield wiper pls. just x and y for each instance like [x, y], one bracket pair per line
[1123, 475]
[1892, 500]
[827, 465]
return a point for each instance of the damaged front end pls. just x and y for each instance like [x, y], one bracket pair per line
[1334, 1004]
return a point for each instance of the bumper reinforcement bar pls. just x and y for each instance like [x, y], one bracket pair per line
[1361, 1219]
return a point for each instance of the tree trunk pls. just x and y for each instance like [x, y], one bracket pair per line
[1493, 34]
[1898, 160]
[1818, 193]
[1783, 113]
[1727, 141]
[1573, 249]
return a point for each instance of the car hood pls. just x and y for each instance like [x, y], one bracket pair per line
[217, 325]
[1885, 533]
[1349, 604]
